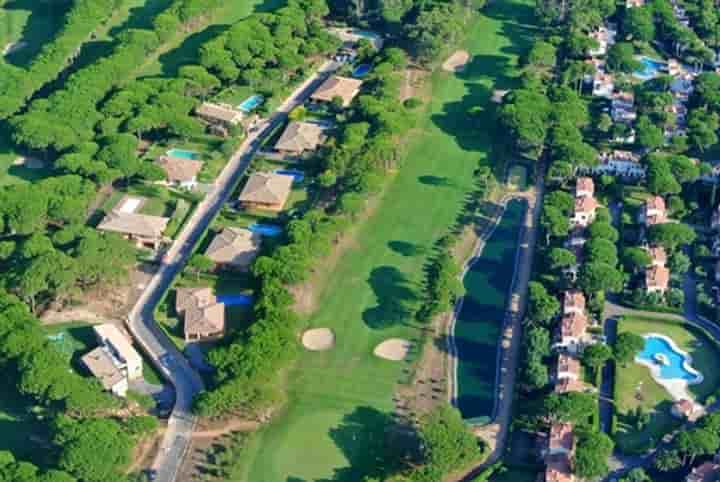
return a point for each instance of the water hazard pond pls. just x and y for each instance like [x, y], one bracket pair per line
[479, 323]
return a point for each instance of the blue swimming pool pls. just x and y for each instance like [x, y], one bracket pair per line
[251, 103]
[297, 175]
[266, 229]
[183, 153]
[668, 361]
[650, 68]
[235, 300]
[361, 70]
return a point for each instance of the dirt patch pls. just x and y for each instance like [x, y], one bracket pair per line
[318, 339]
[224, 427]
[393, 349]
[412, 84]
[457, 61]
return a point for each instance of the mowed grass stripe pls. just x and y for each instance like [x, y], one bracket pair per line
[340, 401]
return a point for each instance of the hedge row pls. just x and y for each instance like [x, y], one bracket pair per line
[69, 116]
[17, 84]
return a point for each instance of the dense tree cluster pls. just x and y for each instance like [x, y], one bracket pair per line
[18, 84]
[444, 286]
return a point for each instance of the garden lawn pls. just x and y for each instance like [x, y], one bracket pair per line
[340, 400]
[654, 399]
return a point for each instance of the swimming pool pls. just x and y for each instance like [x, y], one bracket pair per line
[235, 300]
[251, 103]
[650, 68]
[266, 229]
[297, 176]
[185, 154]
[666, 361]
[361, 70]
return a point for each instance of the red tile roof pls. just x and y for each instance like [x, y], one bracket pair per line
[573, 324]
[657, 277]
[585, 184]
[574, 299]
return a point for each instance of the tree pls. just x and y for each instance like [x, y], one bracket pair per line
[595, 356]
[696, 442]
[660, 178]
[599, 276]
[668, 460]
[555, 223]
[542, 55]
[636, 475]
[560, 258]
[671, 235]
[592, 453]
[684, 169]
[679, 262]
[621, 58]
[448, 442]
[635, 259]
[542, 306]
[639, 23]
[627, 346]
[119, 152]
[702, 128]
[200, 263]
[603, 230]
[573, 407]
[648, 134]
[601, 251]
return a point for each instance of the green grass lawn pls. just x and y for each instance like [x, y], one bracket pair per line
[31, 22]
[339, 401]
[636, 388]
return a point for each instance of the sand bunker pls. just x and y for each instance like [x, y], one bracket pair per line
[13, 47]
[318, 339]
[395, 349]
[457, 61]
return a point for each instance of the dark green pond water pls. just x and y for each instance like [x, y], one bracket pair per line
[479, 323]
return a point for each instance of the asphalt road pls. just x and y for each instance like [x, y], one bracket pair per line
[141, 322]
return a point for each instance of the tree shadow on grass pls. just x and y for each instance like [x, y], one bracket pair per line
[374, 444]
[440, 181]
[42, 25]
[407, 249]
[396, 298]
[187, 52]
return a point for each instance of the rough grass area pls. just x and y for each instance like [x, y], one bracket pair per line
[340, 401]
[634, 386]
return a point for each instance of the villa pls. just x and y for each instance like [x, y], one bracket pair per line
[619, 163]
[605, 37]
[603, 84]
[179, 171]
[574, 302]
[337, 87]
[584, 186]
[585, 211]
[658, 256]
[572, 332]
[300, 137]
[114, 362]
[219, 114]
[653, 211]
[568, 368]
[561, 439]
[234, 248]
[706, 472]
[144, 230]
[557, 469]
[623, 107]
[266, 190]
[204, 316]
[657, 279]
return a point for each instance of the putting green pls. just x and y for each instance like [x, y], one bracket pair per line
[335, 424]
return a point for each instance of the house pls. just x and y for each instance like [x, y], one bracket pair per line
[572, 332]
[300, 137]
[573, 302]
[658, 256]
[568, 367]
[584, 212]
[343, 87]
[558, 469]
[569, 385]
[266, 190]
[179, 171]
[603, 84]
[115, 361]
[605, 37]
[623, 107]
[100, 363]
[706, 472]
[144, 230]
[584, 186]
[121, 349]
[634, 3]
[234, 248]
[653, 211]
[204, 316]
[683, 409]
[657, 279]
[561, 439]
[618, 163]
[219, 114]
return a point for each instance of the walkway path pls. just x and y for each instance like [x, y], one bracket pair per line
[495, 433]
[141, 322]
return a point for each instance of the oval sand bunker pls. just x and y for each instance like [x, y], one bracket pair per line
[457, 61]
[318, 339]
[394, 349]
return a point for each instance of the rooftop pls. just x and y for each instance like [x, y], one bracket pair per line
[203, 313]
[221, 112]
[134, 224]
[267, 188]
[234, 246]
[299, 137]
[657, 277]
[178, 169]
[573, 300]
[101, 365]
[336, 86]
[573, 324]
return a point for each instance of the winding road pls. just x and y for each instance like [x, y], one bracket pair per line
[141, 322]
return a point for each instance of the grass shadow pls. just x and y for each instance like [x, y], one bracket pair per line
[45, 20]
[396, 298]
[407, 249]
